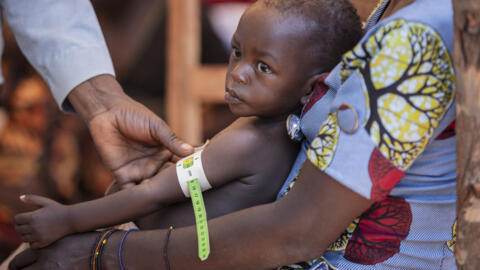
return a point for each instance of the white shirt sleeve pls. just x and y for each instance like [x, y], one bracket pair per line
[62, 39]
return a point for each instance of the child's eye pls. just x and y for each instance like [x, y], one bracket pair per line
[236, 52]
[264, 68]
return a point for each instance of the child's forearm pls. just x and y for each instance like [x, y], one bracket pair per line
[127, 204]
[108, 211]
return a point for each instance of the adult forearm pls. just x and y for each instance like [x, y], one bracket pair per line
[145, 249]
[299, 227]
[251, 239]
[238, 241]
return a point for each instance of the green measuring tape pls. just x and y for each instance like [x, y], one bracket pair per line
[200, 219]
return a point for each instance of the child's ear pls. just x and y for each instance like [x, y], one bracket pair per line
[310, 86]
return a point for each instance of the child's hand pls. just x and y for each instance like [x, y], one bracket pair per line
[44, 226]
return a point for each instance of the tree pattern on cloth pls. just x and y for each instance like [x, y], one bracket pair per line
[323, 147]
[341, 243]
[383, 174]
[318, 264]
[375, 236]
[379, 232]
[408, 82]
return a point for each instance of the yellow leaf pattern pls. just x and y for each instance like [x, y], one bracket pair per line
[410, 75]
[342, 241]
[323, 147]
[451, 243]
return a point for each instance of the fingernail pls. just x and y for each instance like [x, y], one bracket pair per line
[186, 147]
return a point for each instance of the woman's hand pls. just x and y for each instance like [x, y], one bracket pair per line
[72, 252]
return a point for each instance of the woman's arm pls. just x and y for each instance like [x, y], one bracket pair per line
[298, 227]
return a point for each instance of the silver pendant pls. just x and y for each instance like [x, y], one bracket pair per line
[293, 128]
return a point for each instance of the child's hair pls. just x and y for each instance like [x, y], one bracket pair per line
[336, 25]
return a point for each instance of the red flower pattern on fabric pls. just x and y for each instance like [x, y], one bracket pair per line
[383, 174]
[379, 232]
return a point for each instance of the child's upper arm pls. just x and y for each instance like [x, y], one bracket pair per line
[231, 155]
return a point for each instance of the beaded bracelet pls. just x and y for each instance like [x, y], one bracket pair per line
[121, 245]
[165, 248]
[92, 253]
[95, 263]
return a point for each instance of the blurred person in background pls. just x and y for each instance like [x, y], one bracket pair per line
[63, 42]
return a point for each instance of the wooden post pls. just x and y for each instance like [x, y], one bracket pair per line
[466, 56]
[190, 84]
[183, 112]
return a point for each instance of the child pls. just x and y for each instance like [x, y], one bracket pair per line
[280, 51]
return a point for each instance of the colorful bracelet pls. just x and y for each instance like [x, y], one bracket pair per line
[92, 253]
[165, 248]
[95, 263]
[121, 245]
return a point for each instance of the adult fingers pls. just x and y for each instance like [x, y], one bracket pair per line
[166, 165]
[23, 260]
[36, 200]
[142, 168]
[160, 131]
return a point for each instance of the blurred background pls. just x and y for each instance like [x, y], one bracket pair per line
[46, 152]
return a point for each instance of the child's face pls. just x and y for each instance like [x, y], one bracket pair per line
[270, 64]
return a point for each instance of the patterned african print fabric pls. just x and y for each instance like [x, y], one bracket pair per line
[385, 129]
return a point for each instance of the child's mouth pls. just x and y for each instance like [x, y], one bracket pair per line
[231, 97]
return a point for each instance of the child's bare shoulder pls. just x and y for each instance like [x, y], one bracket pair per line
[247, 143]
[249, 134]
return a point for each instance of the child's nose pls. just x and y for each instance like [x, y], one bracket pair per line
[240, 73]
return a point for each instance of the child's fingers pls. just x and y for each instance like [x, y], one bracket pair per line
[175, 158]
[24, 218]
[23, 229]
[36, 200]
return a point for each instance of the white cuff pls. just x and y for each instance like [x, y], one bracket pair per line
[190, 168]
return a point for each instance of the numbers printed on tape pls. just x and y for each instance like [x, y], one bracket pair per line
[200, 219]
